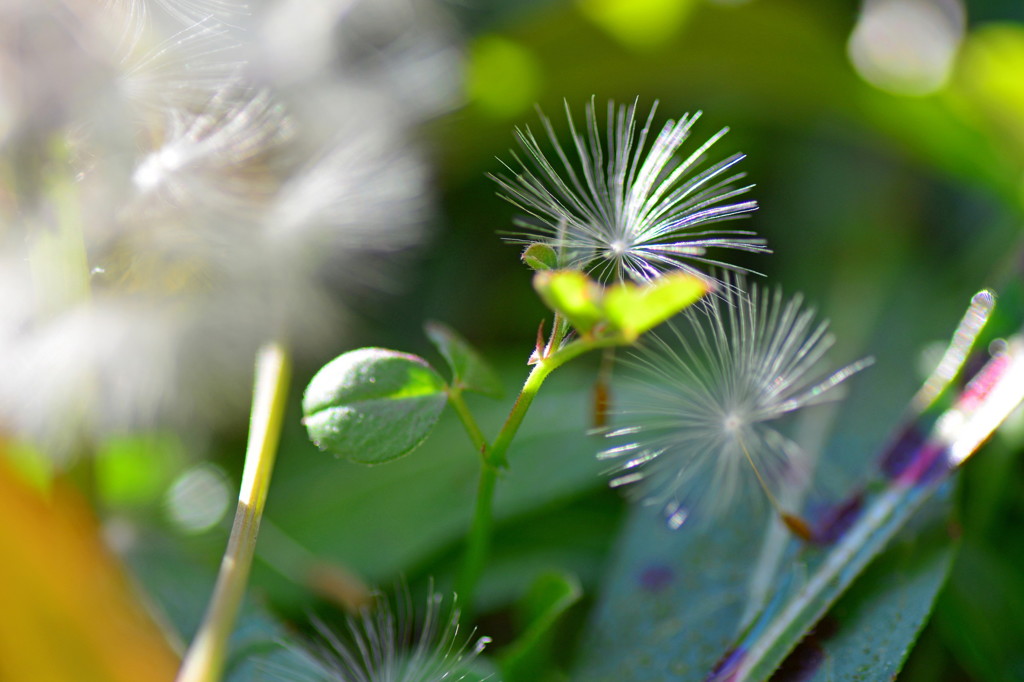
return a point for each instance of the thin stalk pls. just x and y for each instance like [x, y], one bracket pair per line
[478, 542]
[496, 454]
[495, 458]
[206, 656]
[468, 421]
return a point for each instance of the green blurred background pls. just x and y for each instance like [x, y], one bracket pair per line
[889, 195]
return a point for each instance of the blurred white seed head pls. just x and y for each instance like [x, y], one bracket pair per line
[406, 48]
[217, 155]
[169, 210]
[182, 71]
[702, 430]
[624, 208]
[137, 15]
[388, 643]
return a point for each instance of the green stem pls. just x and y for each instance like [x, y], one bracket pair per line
[479, 541]
[495, 458]
[496, 454]
[206, 656]
[468, 421]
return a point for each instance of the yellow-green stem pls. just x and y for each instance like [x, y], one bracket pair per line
[206, 656]
[496, 454]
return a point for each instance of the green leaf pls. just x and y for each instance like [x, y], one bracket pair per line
[980, 612]
[550, 596]
[136, 469]
[635, 308]
[573, 294]
[469, 370]
[373, 405]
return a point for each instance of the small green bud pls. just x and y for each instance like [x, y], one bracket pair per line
[540, 256]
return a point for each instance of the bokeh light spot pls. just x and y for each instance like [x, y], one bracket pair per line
[989, 83]
[134, 470]
[639, 24]
[503, 77]
[198, 499]
[907, 47]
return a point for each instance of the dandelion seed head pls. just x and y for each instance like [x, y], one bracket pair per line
[703, 432]
[624, 206]
[387, 643]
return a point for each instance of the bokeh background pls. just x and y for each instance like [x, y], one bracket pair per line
[886, 142]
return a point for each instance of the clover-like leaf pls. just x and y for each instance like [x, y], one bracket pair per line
[573, 294]
[626, 307]
[635, 308]
[373, 405]
[469, 369]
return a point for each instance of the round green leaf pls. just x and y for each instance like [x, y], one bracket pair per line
[373, 405]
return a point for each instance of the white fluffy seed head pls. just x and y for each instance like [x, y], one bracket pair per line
[219, 156]
[626, 209]
[388, 643]
[702, 430]
[175, 207]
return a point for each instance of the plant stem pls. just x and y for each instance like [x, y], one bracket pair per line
[479, 541]
[206, 656]
[494, 459]
[467, 419]
[496, 454]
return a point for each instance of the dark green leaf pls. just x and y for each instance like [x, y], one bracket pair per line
[373, 405]
[550, 596]
[469, 370]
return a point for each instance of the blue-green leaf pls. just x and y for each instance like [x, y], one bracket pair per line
[673, 600]
[870, 631]
[373, 405]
